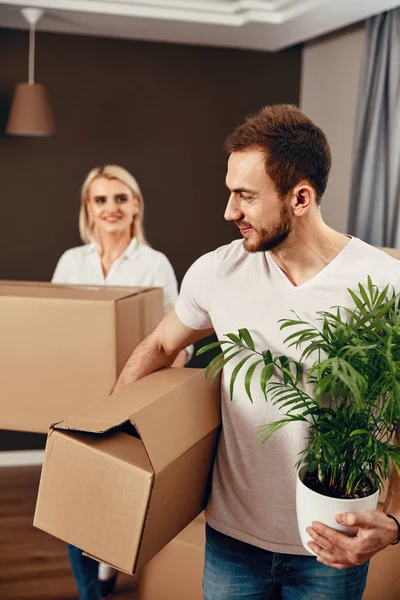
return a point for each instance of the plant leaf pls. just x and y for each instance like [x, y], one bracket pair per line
[219, 356]
[265, 376]
[245, 335]
[234, 338]
[210, 347]
[235, 373]
[221, 364]
[248, 377]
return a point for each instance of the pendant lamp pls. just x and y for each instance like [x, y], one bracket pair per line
[30, 113]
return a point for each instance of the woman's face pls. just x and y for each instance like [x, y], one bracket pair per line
[112, 206]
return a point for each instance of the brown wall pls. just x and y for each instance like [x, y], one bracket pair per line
[160, 110]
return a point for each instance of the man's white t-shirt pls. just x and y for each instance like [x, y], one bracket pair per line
[253, 489]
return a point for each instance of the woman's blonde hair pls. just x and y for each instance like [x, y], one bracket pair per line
[86, 226]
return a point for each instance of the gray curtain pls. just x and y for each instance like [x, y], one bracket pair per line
[375, 187]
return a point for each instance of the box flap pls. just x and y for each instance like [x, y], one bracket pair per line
[120, 407]
[172, 409]
[33, 289]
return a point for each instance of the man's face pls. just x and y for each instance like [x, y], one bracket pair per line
[264, 219]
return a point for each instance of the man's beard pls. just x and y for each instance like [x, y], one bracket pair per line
[268, 239]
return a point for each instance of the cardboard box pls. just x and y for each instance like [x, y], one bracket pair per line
[123, 477]
[165, 578]
[383, 579]
[63, 346]
[178, 568]
[395, 252]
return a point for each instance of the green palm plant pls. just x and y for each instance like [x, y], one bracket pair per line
[353, 411]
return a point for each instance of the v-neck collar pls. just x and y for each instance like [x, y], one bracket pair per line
[339, 256]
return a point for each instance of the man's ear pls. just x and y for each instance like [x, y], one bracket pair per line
[303, 198]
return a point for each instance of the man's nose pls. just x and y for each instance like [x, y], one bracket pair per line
[233, 211]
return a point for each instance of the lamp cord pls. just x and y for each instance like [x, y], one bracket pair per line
[31, 79]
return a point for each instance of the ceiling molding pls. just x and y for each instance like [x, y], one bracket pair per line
[234, 13]
[268, 25]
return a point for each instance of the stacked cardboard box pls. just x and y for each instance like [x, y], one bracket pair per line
[62, 347]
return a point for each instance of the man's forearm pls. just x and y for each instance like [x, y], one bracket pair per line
[145, 359]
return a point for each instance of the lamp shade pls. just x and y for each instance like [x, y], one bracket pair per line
[30, 112]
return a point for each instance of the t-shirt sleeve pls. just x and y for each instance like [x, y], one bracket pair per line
[192, 306]
[64, 268]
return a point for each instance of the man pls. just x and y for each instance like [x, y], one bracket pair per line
[289, 259]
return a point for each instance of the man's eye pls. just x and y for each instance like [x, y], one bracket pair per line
[122, 198]
[245, 197]
[100, 199]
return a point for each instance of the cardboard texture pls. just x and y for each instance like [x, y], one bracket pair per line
[383, 578]
[176, 572]
[62, 347]
[395, 252]
[123, 477]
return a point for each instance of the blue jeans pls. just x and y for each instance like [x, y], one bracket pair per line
[85, 572]
[236, 570]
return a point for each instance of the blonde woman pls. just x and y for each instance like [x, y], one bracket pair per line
[115, 252]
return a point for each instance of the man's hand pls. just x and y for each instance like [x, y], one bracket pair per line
[162, 348]
[181, 359]
[336, 549]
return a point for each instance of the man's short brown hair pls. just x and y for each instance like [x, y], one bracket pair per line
[294, 148]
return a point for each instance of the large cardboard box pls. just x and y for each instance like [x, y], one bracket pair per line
[123, 477]
[63, 346]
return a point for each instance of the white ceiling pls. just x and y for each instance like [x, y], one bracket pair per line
[252, 24]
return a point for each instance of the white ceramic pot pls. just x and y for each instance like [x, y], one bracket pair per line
[312, 506]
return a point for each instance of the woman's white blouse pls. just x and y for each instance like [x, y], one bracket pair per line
[138, 265]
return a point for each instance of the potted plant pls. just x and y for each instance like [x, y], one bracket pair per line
[353, 411]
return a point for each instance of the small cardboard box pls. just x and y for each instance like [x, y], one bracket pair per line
[124, 476]
[63, 346]
[165, 578]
